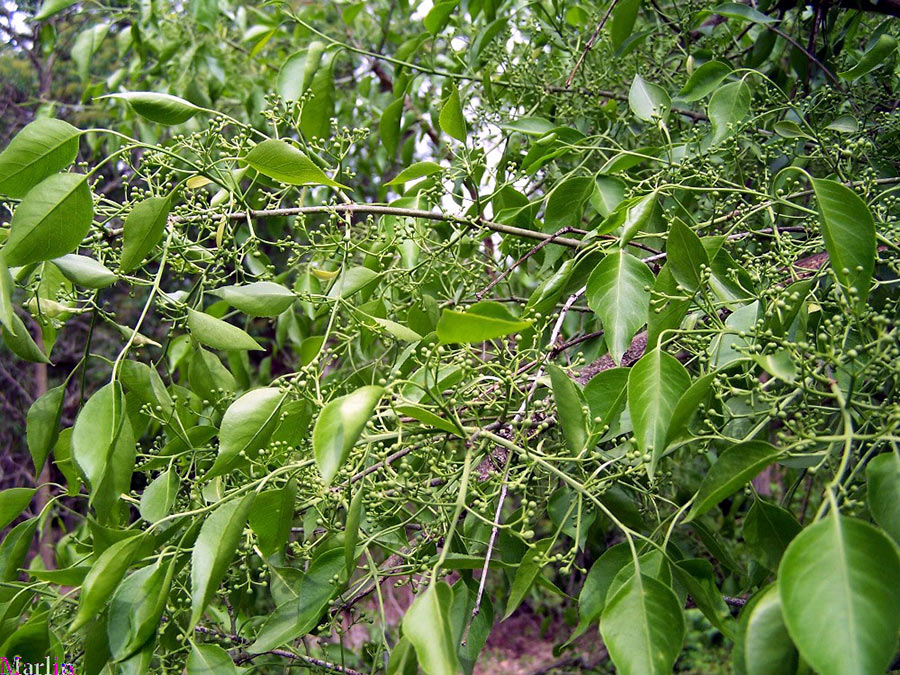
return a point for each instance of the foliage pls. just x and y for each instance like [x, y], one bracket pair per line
[510, 303]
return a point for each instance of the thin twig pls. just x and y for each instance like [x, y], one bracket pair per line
[590, 43]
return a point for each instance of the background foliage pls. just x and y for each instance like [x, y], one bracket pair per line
[342, 335]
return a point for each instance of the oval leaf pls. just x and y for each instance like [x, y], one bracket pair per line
[339, 426]
[247, 425]
[156, 107]
[219, 334]
[142, 230]
[260, 298]
[286, 164]
[735, 467]
[39, 150]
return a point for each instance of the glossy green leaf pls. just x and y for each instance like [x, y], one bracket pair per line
[728, 106]
[13, 501]
[351, 529]
[103, 445]
[19, 341]
[52, 8]
[618, 290]
[526, 573]
[451, 119]
[768, 530]
[103, 578]
[271, 518]
[156, 107]
[389, 126]
[352, 280]
[883, 492]
[209, 660]
[296, 75]
[570, 408]
[159, 497]
[849, 233]
[296, 617]
[705, 80]
[260, 298]
[428, 418]
[875, 56]
[768, 649]
[85, 271]
[439, 15]
[39, 150]
[687, 405]
[482, 321]
[319, 109]
[734, 10]
[51, 220]
[14, 548]
[735, 467]
[219, 334]
[208, 377]
[605, 394]
[86, 44]
[624, 14]
[647, 101]
[42, 426]
[285, 163]
[686, 255]
[7, 313]
[426, 625]
[643, 627]
[655, 386]
[414, 171]
[214, 551]
[142, 230]
[595, 590]
[339, 426]
[839, 584]
[246, 427]
[136, 608]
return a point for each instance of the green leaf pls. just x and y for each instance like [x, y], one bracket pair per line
[883, 492]
[51, 220]
[136, 608]
[686, 255]
[451, 118]
[142, 230]
[790, 129]
[159, 497]
[339, 426]
[42, 425]
[85, 46]
[52, 7]
[704, 80]
[618, 290]
[668, 308]
[14, 549]
[428, 418]
[569, 408]
[839, 583]
[482, 321]
[643, 627]
[849, 233]
[605, 394]
[734, 10]
[160, 108]
[271, 518]
[389, 126]
[7, 313]
[219, 334]
[352, 280]
[85, 271]
[246, 427]
[103, 446]
[565, 204]
[260, 298]
[13, 502]
[315, 120]
[647, 101]
[417, 170]
[655, 385]
[528, 570]
[687, 405]
[624, 14]
[39, 150]
[103, 578]
[209, 660]
[438, 16]
[20, 342]
[297, 617]
[426, 625]
[208, 377]
[768, 649]
[728, 106]
[298, 71]
[592, 598]
[735, 467]
[398, 330]
[351, 530]
[214, 552]
[286, 164]
[768, 530]
[874, 57]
